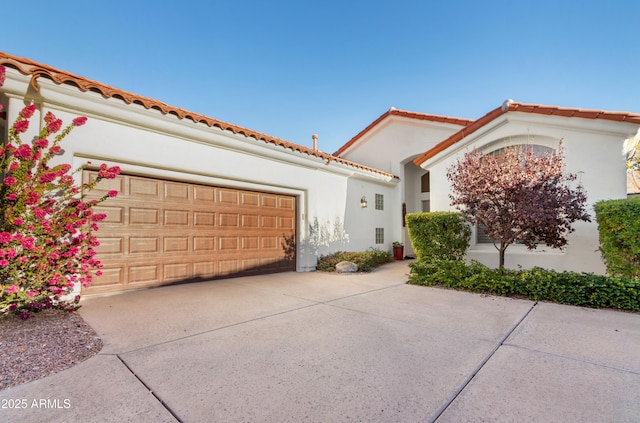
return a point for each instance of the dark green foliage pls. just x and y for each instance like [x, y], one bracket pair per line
[580, 289]
[438, 235]
[619, 228]
[366, 260]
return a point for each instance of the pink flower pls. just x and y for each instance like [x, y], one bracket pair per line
[2, 75]
[14, 166]
[55, 149]
[28, 111]
[32, 294]
[112, 193]
[54, 126]
[49, 117]
[41, 143]
[11, 253]
[12, 197]
[9, 181]
[108, 172]
[5, 237]
[32, 198]
[48, 177]
[28, 243]
[98, 217]
[79, 121]
[13, 289]
[23, 152]
[21, 126]
[4, 262]
[18, 221]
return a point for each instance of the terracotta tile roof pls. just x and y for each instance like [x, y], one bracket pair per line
[510, 106]
[37, 70]
[403, 113]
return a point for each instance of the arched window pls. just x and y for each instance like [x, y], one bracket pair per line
[534, 148]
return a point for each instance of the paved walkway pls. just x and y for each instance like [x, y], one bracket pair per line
[313, 347]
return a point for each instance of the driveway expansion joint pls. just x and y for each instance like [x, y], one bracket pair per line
[576, 359]
[473, 374]
[164, 405]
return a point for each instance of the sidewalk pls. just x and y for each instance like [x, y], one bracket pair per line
[315, 347]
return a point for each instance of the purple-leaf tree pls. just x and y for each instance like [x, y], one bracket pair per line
[518, 195]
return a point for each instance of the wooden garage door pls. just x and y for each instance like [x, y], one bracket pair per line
[159, 232]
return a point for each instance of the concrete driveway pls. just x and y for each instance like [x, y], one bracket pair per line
[316, 347]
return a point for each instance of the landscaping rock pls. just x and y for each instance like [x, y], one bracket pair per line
[346, 267]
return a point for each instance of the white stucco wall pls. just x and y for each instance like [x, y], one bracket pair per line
[146, 142]
[391, 146]
[396, 139]
[593, 150]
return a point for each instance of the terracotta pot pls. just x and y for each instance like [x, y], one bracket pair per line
[398, 253]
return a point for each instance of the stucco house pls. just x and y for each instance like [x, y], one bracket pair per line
[419, 148]
[201, 198]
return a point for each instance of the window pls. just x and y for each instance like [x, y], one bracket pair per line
[425, 183]
[534, 148]
[426, 205]
[379, 202]
[379, 235]
[481, 235]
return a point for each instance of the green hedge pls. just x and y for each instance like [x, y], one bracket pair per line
[366, 260]
[619, 229]
[580, 289]
[438, 235]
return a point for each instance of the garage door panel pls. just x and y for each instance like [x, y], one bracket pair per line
[177, 271]
[176, 217]
[144, 216]
[286, 203]
[204, 244]
[176, 244]
[269, 201]
[204, 219]
[105, 185]
[159, 232]
[229, 220]
[204, 195]
[144, 188]
[228, 197]
[148, 274]
[176, 192]
[111, 245]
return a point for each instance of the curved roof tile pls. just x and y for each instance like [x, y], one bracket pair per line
[403, 113]
[37, 70]
[510, 106]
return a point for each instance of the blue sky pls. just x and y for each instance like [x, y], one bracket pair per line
[294, 68]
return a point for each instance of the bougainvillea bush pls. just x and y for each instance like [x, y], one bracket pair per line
[47, 226]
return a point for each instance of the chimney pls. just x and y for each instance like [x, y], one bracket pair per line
[315, 142]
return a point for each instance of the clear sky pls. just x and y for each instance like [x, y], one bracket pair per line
[294, 68]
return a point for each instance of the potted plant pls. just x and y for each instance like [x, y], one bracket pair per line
[398, 250]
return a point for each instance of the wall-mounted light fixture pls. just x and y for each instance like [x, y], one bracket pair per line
[363, 202]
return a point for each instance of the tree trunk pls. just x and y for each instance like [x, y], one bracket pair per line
[502, 249]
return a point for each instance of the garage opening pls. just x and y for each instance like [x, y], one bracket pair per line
[159, 232]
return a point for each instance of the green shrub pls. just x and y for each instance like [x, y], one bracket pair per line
[438, 235]
[619, 229]
[365, 260]
[580, 289]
